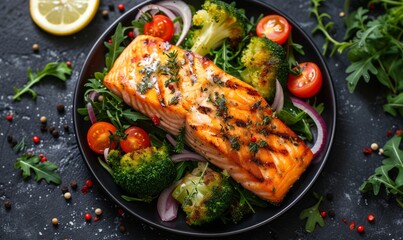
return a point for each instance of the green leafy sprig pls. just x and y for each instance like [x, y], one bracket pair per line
[42, 170]
[390, 174]
[312, 216]
[58, 70]
[115, 47]
[374, 45]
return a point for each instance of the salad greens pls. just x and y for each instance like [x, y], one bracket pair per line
[374, 43]
[107, 106]
[390, 173]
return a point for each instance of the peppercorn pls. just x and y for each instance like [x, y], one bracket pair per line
[120, 212]
[87, 217]
[60, 107]
[89, 183]
[130, 34]
[360, 229]
[43, 119]
[44, 159]
[66, 127]
[85, 189]
[35, 47]
[323, 214]
[67, 195]
[111, 7]
[36, 139]
[55, 133]
[98, 211]
[253, 139]
[371, 218]
[121, 7]
[69, 64]
[55, 221]
[9, 117]
[380, 152]
[105, 13]
[51, 129]
[7, 204]
[122, 228]
[64, 189]
[374, 146]
[73, 184]
[367, 150]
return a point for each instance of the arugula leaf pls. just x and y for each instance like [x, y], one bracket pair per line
[360, 69]
[375, 46]
[58, 70]
[43, 170]
[115, 47]
[313, 216]
[390, 174]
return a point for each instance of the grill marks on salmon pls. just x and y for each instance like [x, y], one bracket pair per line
[225, 119]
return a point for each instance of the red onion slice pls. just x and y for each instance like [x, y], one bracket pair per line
[278, 101]
[319, 122]
[183, 10]
[167, 206]
[91, 113]
[106, 152]
[189, 156]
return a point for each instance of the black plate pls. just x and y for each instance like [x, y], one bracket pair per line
[148, 212]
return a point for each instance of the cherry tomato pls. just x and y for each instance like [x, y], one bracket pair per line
[274, 27]
[308, 83]
[136, 139]
[160, 26]
[99, 136]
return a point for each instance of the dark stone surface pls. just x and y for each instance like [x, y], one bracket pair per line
[360, 121]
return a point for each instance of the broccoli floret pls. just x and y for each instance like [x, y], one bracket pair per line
[216, 21]
[204, 194]
[264, 61]
[143, 173]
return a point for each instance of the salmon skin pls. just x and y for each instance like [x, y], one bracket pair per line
[225, 119]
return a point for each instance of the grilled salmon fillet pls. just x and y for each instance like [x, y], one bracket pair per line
[226, 120]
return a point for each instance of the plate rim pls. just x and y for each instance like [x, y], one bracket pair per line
[331, 131]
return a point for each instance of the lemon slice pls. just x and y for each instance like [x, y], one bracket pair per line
[63, 17]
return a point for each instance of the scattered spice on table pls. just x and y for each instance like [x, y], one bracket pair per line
[7, 204]
[35, 48]
[87, 217]
[73, 184]
[55, 221]
[67, 195]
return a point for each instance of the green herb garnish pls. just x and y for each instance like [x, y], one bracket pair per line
[42, 170]
[375, 47]
[58, 70]
[312, 216]
[390, 173]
